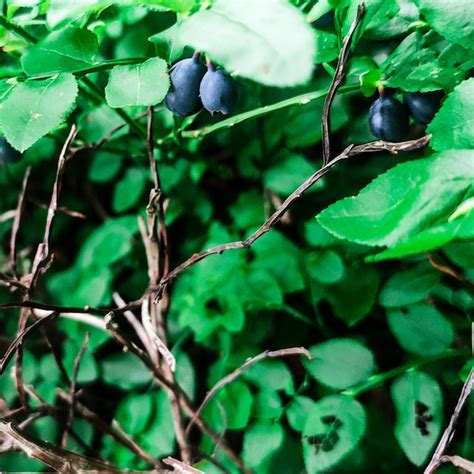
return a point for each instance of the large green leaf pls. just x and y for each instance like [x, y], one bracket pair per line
[426, 62]
[34, 108]
[140, 84]
[406, 200]
[453, 125]
[67, 50]
[334, 427]
[298, 411]
[450, 18]
[418, 402]
[421, 329]
[340, 363]
[269, 42]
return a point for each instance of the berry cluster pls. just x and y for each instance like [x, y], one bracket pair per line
[193, 87]
[8, 154]
[389, 118]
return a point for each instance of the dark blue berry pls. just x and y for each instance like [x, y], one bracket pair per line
[183, 96]
[388, 119]
[8, 154]
[325, 20]
[218, 91]
[423, 107]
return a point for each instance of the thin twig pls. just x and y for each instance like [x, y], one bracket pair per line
[114, 431]
[448, 433]
[72, 391]
[350, 151]
[449, 271]
[13, 348]
[181, 467]
[336, 83]
[237, 372]
[17, 220]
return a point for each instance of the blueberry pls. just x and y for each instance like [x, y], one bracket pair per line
[8, 154]
[183, 96]
[218, 91]
[388, 119]
[423, 107]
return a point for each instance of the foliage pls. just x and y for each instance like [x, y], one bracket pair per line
[371, 269]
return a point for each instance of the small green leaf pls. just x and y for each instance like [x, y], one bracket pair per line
[124, 370]
[140, 84]
[135, 412]
[269, 42]
[407, 287]
[271, 374]
[453, 125]
[129, 189]
[105, 166]
[261, 440]
[340, 363]
[333, 428]
[326, 47]
[326, 266]
[298, 411]
[418, 401]
[421, 329]
[67, 50]
[34, 108]
[88, 370]
[369, 81]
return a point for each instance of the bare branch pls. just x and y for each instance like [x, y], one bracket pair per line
[459, 461]
[72, 405]
[449, 271]
[450, 429]
[237, 372]
[15, 345]
[336, 83]
[181, 467]
[350, 151]
[17, 220]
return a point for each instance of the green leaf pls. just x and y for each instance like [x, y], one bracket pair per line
[140, 84]
[267, 405]
[411, 394]
[421, 329]
[325, 266]
[98, 123]
[298, 411]
[105, 166]
[340, 363]
[326, 47]
[430, 239]
[453, 125]
[108, 243]
[353, 297]
[135, 412]
[60, 12]
[404, 201]
[409, 286]
[369, 81]
[426, 62]
[34, 108]
[93, 287]
[288, 173]
[271, 375]
[268, 42]
[261, 440]
[129, 189]
[67, 50]
[333, 428]
[456, 26]
[231, 407]
[124, 370]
